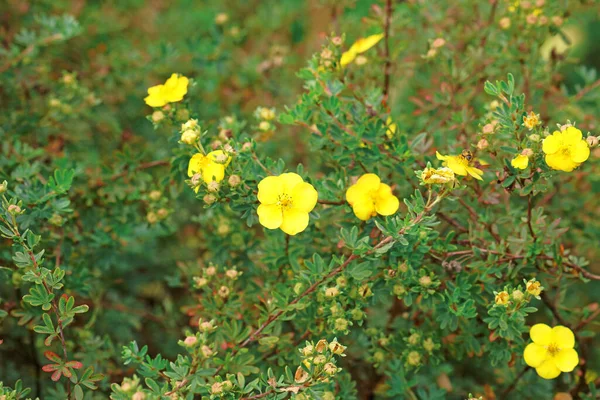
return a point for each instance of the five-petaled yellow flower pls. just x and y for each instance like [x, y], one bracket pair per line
[172, 91]
[285, 201]
[360, 46]
[461, 164]
[552, 350]
[211, 166]
[520, 162]
[565, 150]
[369, 197]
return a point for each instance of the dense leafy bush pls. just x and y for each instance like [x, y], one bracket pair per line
[309, 200]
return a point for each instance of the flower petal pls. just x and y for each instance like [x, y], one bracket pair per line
[474, 172]
[386, 203]
[196, 163]
[551, 144]
[269, 216]
[294, 221]
[560, 162]
[368, 182]
[458, 167]
[289, 181]
[355, 194]
[269, 189]
[364, 44]
[213, 172]
[304, 196]
[563, 337]
[548, 370]
[572, 135]
[580, 151]
[541, 334]
[535, 355]
[364, 209]
[347, 58]
[440, 157]
[566, 360]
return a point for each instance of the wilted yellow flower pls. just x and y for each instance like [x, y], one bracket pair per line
[285, 201]
[531, 120]
[461, 164]
[437, 175]
[337, 348]
[521, 161]
[211, 166]
[565, 150]
[502, 298]
[172, 91]
[369, 197]
[360, 46]
[552, 350]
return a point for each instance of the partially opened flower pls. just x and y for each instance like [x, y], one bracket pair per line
[211, 166]
[369, 197]
[172, 91]
[285, 202]
[565, 150]
[520, 162]
[461, 164]
[360, 46]
[552, 350]
[437, 175]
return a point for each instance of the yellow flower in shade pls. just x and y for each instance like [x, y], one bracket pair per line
[461, 164]
[565, 150]
[285, 202]
[369, 197]
[552, 350]
[172, 91]
[437, 175]
[391, 128]
[534, 288]
[531, 120]
[360, 46]
[502, 298]
[211, 166]
[520, 162]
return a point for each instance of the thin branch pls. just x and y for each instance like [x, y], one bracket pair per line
[388, 62]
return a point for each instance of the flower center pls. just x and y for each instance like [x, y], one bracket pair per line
[284, 201]
[566, 151]
[553, 349]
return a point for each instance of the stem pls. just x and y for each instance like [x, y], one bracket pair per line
[388, 62]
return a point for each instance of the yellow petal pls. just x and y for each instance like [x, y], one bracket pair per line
[560, 161]
[269, 216]
[154, 98]
[364, 209]
[566, 360]
[294, 221]
[304, 196]
[440, 157]
[551, 144]
[458, 167]
[269, 189]
[548, 370]
[195, 164]
[535, 355]
[178, 91]
[563, 337]
[475, 172]
[347, 58]
[572, 135]
[580, 151]
[386, 203]
[364, 44]
[289, 181]
[172, 81]
[355, 194]
[541, 334]
[520, 162]
[213, 172]
[368, 182]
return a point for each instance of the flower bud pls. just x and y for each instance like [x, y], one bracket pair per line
[216, 388]
[332, 292]
[337, 41]
[307, 350]
[223, 291]
[413, 358]
[379, 356]
[504, 23]
[425, 280]
[298, 288]
[205, 326]
[320, 359]
[557, 20]
[228, 149]
[234, 180]
[247, 146]
[209, 199]
[136, 396]
[151, 217]
[527, 152]
[213, 186]
[399, 290]
[327, 396]
[414, 339]
[534, 138]
[155, 195]
[221, 18]
[517, 295]
[592, 141]
[190, 341]
[231, 274]
[157, 116]
[189, 137]
[206, 351]
[357, 314]
[200, 282]
[488, 128]
[321, 345]
[162, 213]
[482, 144]
[267, 113]
[182, 114]
[3, 187]
[341, 281]
[336, 348]
[341, 324]
[330, 368]
[56, 219]
[211, 270]
[437, 43]
[428, 345]
[264, 126]
[361, 60]
[14, 209]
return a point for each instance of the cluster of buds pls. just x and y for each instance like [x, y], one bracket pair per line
[517, 297]
[129, 386]
[222, 281]
[418, 348]
[190, 132]
[218, 388]
[318, 361]
[158, 215]
[265, 116]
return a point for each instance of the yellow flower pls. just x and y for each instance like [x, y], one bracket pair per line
[437, 175]
[502, 298]
[533, 287]
[211, 166]
[521, 161]
[360, 46]
[565, 150]
[531, 120]
[461, 164]
[552, 350]
[285, 201]
[172, 91]
[391, 128]
[369, 197]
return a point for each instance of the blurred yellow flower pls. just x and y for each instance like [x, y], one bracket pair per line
[520, 162]
[211, 166]
[502, 298]
[360, 46]
[285, 202]
[391, 128]
[437, 175]
[565, 150]
[369, 197]
[172, 91]
[531, 120]
[461, 164]
[552, 350]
